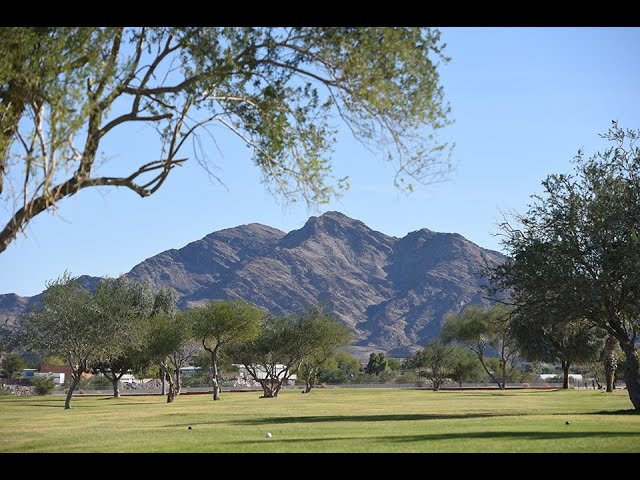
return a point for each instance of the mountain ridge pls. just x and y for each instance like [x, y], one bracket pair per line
[394, 292]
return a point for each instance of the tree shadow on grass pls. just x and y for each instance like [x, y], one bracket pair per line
[630, 411]
[449, 436]
[411, 417]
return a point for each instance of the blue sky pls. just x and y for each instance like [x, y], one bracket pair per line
[524, 100]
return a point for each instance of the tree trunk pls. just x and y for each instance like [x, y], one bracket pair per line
[309, 380]
[171, 395]
[270, 388]
[610, 361]
[436, 386]
[74, 385]
[565, 378]
[491, 375]
[214, 373]
[632, 372]
[178, 383]
[503, 366]
[116, 389]
[164, 381]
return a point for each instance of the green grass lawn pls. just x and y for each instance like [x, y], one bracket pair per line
[328, 420]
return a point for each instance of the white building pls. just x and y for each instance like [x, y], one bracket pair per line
[58, 378]
[262, 374]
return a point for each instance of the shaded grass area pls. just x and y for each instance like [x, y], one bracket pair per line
[340, 420]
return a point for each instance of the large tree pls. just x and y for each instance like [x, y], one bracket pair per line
[69, 324]
[486, 332]
[169, 343]
[129, 303]
[567, 343]
[464, 366]
[12, 364]
[324, 334]
[223, 323]
[279, 90]
[377, 364]
[282, 346]
[433, 362]
[575, 254]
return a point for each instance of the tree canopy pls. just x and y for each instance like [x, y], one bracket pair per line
[575, 254]
[484, 331]
[70, 324]
[224, 323]
[568, 343]
[278, 90]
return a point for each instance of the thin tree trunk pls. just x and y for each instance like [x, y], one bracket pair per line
[503, 367]
[214, 370]
[267, 391]
[171, 395]
[164, 381]
[565, 371]
[610, 361]
[76, 380]
[178, 383]
[632, 372]
[277, 388]
[491, 375]
[309, 380]
[116, 388]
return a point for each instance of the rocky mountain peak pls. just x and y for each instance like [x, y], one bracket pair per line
[394, 292]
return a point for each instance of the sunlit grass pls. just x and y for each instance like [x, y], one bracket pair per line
[340, 420]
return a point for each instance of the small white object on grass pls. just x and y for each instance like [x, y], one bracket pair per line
[267, 435]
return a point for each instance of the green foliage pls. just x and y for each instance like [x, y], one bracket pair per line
[393, 364]
[223, 322]
[285, 344]
[50, 359]
[569, 343]
[575, 254]
[324, 334]
[167, 335]
[482, 330]
[129, 303]
[377, 364]
[43, 385]
[464, 365]
[70, 325]
[12, 365]
[279, 90]
[434, 362]
[341, 368]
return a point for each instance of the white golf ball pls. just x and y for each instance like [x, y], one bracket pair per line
[267, 435]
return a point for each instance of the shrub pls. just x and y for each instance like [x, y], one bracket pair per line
[43, 385]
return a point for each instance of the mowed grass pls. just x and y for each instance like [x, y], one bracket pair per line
[327, 420]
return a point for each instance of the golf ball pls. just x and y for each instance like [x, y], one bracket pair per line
[267, 435]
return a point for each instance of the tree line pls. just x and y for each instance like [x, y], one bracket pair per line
[127, 325]
[498, 342]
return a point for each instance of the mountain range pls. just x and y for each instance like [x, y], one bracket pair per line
[394, 292]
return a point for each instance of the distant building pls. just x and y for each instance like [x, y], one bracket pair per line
[58, 378]
[550, 376]
[262, 374]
